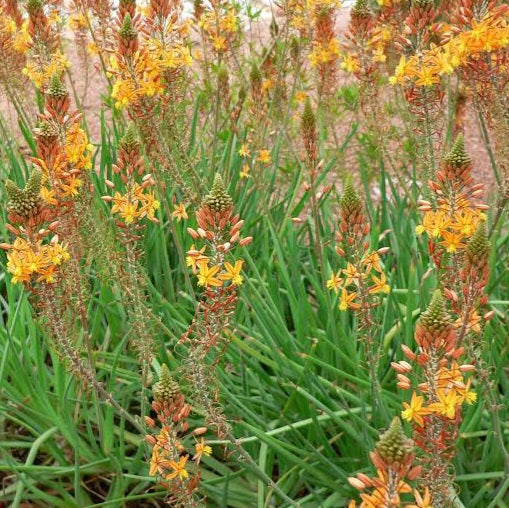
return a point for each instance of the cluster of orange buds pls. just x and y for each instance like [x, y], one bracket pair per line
[363, 48]
[220, 230]
[63, 149]
[363, 275]
[36, 254]
[170, 457]
[42, 42]
[439, 389]
[455, 214]
[220, 25]
[393, 458]
[325, 47]
[138, 200]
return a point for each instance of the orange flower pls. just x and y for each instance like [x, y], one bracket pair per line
[180, 212]
[414, 411]
[179, 469]
[201, 449]
[207, 275]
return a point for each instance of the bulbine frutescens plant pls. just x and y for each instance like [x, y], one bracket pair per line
[170, 446]
[218, 270]
[458, 244]
[361, 280]
[134, 203]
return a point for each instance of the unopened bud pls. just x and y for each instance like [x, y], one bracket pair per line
[151, 440]
[356, 483]
[489, 315]
[246, 241]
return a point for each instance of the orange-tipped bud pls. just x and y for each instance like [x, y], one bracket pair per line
[414, 473]
[193, 233]
[150, 422]
[356, 483]
[246, 241]
[408, 352]
[151, 440]
[489, 315]
[450, 295]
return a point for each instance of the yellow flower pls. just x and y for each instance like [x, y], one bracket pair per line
[371, 261]
[218, 42]
[194, 257]
[207, 275]
[467, 395]
[47, 274]
[350, 64]
[335, 281]
[201, 449]
[446, 405]
[158, 464]
[244, 150]
[245, 171]
[352, 275]
[17, 267]
[421, 501]
[264, 156]
[426, 77]
[233, 272]
[128, 212]
[179, 469]
[180, 212]
[414, 411]
[452, 241]
[465, 223]
[380, 285]
[347, 300]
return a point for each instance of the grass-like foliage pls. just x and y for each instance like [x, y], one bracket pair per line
[254, 256]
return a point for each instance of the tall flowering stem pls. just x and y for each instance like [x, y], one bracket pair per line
[361, 280]
[134, 203]
[144, 71]
[423, 92]
[171, 444]
[439, 389]
[454, 221]
[218, 271]
[363, 53]
[39, 260]
[394, 461]
[44, 58]
[453, 214]
[64, 155]
[325, 46]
